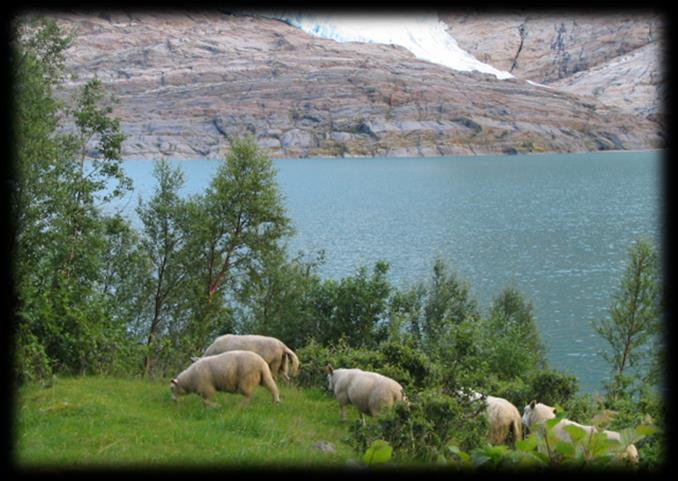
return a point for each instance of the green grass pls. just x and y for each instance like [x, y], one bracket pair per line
[102, 422]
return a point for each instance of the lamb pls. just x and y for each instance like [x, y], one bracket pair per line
[503, 418]
[368, 391]
[537, 413]
[232, 371]
[274, 351]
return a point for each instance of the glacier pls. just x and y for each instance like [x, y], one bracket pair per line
[422, 34]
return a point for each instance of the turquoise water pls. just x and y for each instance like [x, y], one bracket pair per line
[556, 226]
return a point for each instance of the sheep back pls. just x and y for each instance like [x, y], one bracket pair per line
[232, 371]
[503, 419]
[369, 392]
[273, 350]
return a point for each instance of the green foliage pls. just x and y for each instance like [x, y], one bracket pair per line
[422, 429]
[462, 357]
[379, 452]
[430, 311]
[65, 245]
[233, 227]
[513, 346]
[412, 369]
[635, 315]
[164, 238]
[315, 358]
[541, 451]
[421, 371]
[553, 387]
[279, 301]
[353, 308]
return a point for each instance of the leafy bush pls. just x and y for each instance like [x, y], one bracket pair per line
[417, 365]
[513, 346]
[516, 391]
[314, 357]
[412, 369]
[541, 451]
[552, 387]
[422, 429]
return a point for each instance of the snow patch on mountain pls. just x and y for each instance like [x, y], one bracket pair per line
[424, 35]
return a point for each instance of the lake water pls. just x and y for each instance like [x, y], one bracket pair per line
[556, 226]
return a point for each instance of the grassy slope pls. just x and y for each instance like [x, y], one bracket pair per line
[98, 421]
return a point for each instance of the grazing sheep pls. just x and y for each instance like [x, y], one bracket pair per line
[537, 413]
[368, 391]
[503, 418]
[233, 371]
[274, 351]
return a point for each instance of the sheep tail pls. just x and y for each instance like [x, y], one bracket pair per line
[517, 430]
[289, 355]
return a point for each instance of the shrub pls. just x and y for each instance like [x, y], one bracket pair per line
[422, 430]
[314, 357]
[420, 370]
[552, 387]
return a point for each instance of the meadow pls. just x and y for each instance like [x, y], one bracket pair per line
[101, 421]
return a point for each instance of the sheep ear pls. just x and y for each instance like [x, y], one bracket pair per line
[533, 403]
[329, 368]
[174, 381]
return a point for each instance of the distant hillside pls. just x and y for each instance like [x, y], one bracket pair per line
[616, 58]
[188, 81]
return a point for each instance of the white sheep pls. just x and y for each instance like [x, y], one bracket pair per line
[503, 418]
[369, 392]
[274, 351]
[536, 414]
[232, 371]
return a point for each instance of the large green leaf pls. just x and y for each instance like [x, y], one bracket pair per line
[528, 459]
[600, 445]
[646, 429]
[379, 452]
[576, 433]
[527, 444]
[629, 436]
[565, 448]
[464, 457]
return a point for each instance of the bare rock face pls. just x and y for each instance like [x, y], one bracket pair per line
[614, 57]
[187, 82]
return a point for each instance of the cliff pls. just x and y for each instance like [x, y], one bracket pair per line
[186, 82]
[615, 58]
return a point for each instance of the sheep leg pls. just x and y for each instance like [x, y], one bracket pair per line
[246, 402]
[269, 383]
[284, 368]
[210, 404]
[206, 393]
[342, 412]
[274, 366]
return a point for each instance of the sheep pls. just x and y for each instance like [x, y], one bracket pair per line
[503, 418]
[273, 350]
[232, 371]
[368, 391]
[537, 413]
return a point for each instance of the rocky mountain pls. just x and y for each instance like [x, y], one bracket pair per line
[616, 58]
[186, 82]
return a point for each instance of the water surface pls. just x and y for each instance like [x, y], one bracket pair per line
[555, 226]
